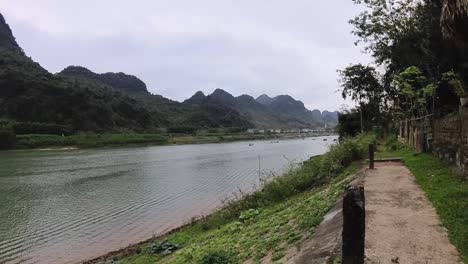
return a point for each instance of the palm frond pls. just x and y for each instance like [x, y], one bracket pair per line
[452, 10]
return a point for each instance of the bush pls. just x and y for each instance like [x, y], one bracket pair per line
[218, 257]
[182, 130]
[164, 248]
[393, 144]
[22, 128]
[7, 137]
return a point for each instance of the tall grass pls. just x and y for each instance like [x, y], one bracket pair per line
[315, 172]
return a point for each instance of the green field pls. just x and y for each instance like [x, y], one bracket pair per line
[87, 140]
[102, 140]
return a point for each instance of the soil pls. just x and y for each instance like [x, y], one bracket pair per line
[402, 226]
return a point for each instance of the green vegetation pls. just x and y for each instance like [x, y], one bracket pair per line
[447, 191]
[420, 49]
[218, 137]
[7, 136]
[267, 222]
[87, 140]
[91, 140]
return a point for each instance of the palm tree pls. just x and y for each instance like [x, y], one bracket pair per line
[454, 19]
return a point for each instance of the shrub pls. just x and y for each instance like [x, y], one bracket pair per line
[182, 130]
[218, 257]
[22, 128]
[7, 137]
[248, 215]
[164, 248]
[393, 144]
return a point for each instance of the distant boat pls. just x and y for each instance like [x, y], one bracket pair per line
[325, 139]
[274, 141]
[251, 144]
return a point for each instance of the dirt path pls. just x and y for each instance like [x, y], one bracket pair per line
[401, 224]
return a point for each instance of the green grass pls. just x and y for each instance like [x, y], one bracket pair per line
[447, 191]
[214, 138]
[273, 228]
[102, 140]
[271, 220]
[87, 140]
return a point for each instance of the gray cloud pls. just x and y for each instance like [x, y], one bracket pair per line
[179, 47]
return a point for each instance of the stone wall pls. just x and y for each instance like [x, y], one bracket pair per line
[450, 139]
[445, 136]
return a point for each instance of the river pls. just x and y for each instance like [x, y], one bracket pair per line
[71, 205]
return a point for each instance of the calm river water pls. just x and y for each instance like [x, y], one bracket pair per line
[67, 206]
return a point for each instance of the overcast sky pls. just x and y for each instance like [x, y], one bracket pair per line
[178, 47]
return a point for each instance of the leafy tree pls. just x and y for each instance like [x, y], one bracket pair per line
[415, 93]
[400, 34]
[452, 81]
[361, 83]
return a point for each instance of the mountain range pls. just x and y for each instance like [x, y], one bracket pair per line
[86, 101]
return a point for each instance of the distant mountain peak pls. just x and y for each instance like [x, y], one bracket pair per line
[222, 97]
[196, 99]
[77, 70]
[120, 81]
[7, 40]
[220, 92]
[264, 99]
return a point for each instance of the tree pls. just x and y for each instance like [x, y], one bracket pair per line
[362, 84]
[415, 94]
[404, 33]
[454, 19]
[400, 34]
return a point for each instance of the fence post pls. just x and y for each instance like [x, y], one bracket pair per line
[354, 225]
[371, 156]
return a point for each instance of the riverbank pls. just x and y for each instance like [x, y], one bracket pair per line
[267, 224]
[40, 141]
[446, 190]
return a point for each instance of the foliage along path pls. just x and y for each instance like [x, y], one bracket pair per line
[402, 226]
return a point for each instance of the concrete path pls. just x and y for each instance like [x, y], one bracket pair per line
[402, 226]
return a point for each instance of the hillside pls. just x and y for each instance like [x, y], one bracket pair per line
[265, 112]
[119, 81]
[82, 100]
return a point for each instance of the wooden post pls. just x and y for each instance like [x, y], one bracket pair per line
[371, 156]
[354, 225]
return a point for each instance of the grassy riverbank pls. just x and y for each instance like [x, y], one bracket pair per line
[32, 141]
[447, 191]
[264, 224]
[87, 140]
